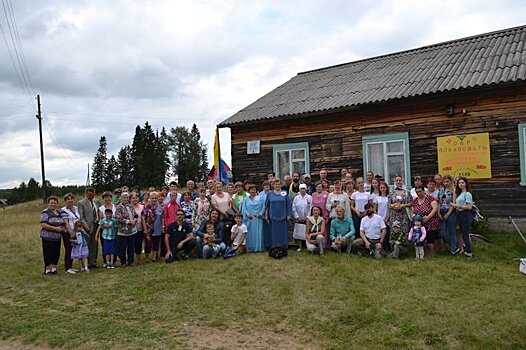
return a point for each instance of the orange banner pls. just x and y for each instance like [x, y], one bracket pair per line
[465, 155]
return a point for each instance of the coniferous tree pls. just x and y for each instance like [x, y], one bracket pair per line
[33, 190]
[188, 154]
[200, 150]
[125, 167]
[161, 164]
[112, 174]
[137, 151]
[98, 168]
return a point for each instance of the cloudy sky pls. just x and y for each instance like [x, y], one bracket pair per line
[103, 67]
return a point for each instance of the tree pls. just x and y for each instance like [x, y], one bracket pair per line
[125, 167]
[98, 168]
[33, 190]
[112, 174]
[201, 150]
[136, 155]
[161, 165]
[188, 154]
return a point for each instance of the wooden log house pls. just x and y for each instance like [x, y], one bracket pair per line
[386, 113]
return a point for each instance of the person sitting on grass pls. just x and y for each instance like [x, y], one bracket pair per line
[372, 234]
[219, 228]
[397, 241]
[314, 231]
[342, 231]
[79, 246]
[108, 228]
[179, 237]
[238, 235]
[213, 244]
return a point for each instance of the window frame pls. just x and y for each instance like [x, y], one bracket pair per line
[290, 147]
[522, 152]
[383, 139]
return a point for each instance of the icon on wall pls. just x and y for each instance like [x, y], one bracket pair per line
[253, 147]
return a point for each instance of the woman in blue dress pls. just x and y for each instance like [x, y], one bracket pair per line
[278, 209]
[263, 199]
[253, 209]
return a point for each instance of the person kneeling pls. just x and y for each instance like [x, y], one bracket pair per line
[397, 241]
[213, 244]
[238, 237]
[372, 234]
[314, 231]
[342, 231]
[179, 237]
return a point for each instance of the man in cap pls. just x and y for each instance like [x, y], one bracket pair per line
[372, 234]
[397, 241]
[311, 188]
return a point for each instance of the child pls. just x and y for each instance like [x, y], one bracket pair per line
[212, 244]
[108, 226]
[238, 236]
[417, 236]
[397, 241]
[79, 249]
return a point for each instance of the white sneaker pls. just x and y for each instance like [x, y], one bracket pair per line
[71, 271]
[86, 270]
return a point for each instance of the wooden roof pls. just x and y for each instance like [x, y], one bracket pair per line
[485, 59]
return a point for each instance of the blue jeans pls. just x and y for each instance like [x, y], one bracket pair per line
[448, 231]
[213, 251]
[465, 219]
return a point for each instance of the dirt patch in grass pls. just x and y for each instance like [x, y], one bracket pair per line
[210, 338]
[11, 344]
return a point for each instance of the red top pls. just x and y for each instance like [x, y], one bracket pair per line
[425, 209]
[170, 212]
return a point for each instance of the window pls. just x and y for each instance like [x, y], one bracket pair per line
[291, 157]
[387, 156]
[522, 152]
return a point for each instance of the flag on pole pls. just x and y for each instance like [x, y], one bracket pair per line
[217, 154]
[220, 171]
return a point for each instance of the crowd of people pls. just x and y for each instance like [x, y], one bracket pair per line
[361, 216]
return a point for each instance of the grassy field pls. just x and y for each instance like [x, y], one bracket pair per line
[252, 301]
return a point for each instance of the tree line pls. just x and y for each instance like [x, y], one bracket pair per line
[152, 158]
[32, 190]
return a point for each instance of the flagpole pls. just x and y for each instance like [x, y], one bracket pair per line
[217, 155]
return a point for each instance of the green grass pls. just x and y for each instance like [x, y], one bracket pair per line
[252, 301]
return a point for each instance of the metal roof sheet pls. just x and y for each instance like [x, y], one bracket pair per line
[496, 57]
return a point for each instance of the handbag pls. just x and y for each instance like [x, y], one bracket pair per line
[277, 252]
[299, 231]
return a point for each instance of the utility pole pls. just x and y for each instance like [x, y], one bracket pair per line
[39, 117]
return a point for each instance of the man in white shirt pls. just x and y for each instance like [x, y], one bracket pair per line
[372, 234]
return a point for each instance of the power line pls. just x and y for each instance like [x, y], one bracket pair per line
[21, 74]
[58, 145]
[11, 114]
[97, 121]
[28, 94]
[17, 34]
[130, 116]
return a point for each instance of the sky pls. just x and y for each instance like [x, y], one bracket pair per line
[104, 67]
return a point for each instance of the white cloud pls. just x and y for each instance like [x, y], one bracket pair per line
[104, 67]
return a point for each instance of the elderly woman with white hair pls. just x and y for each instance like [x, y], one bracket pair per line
[301, 206]
[126, 230]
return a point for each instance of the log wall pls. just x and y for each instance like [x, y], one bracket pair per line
[335, 139]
